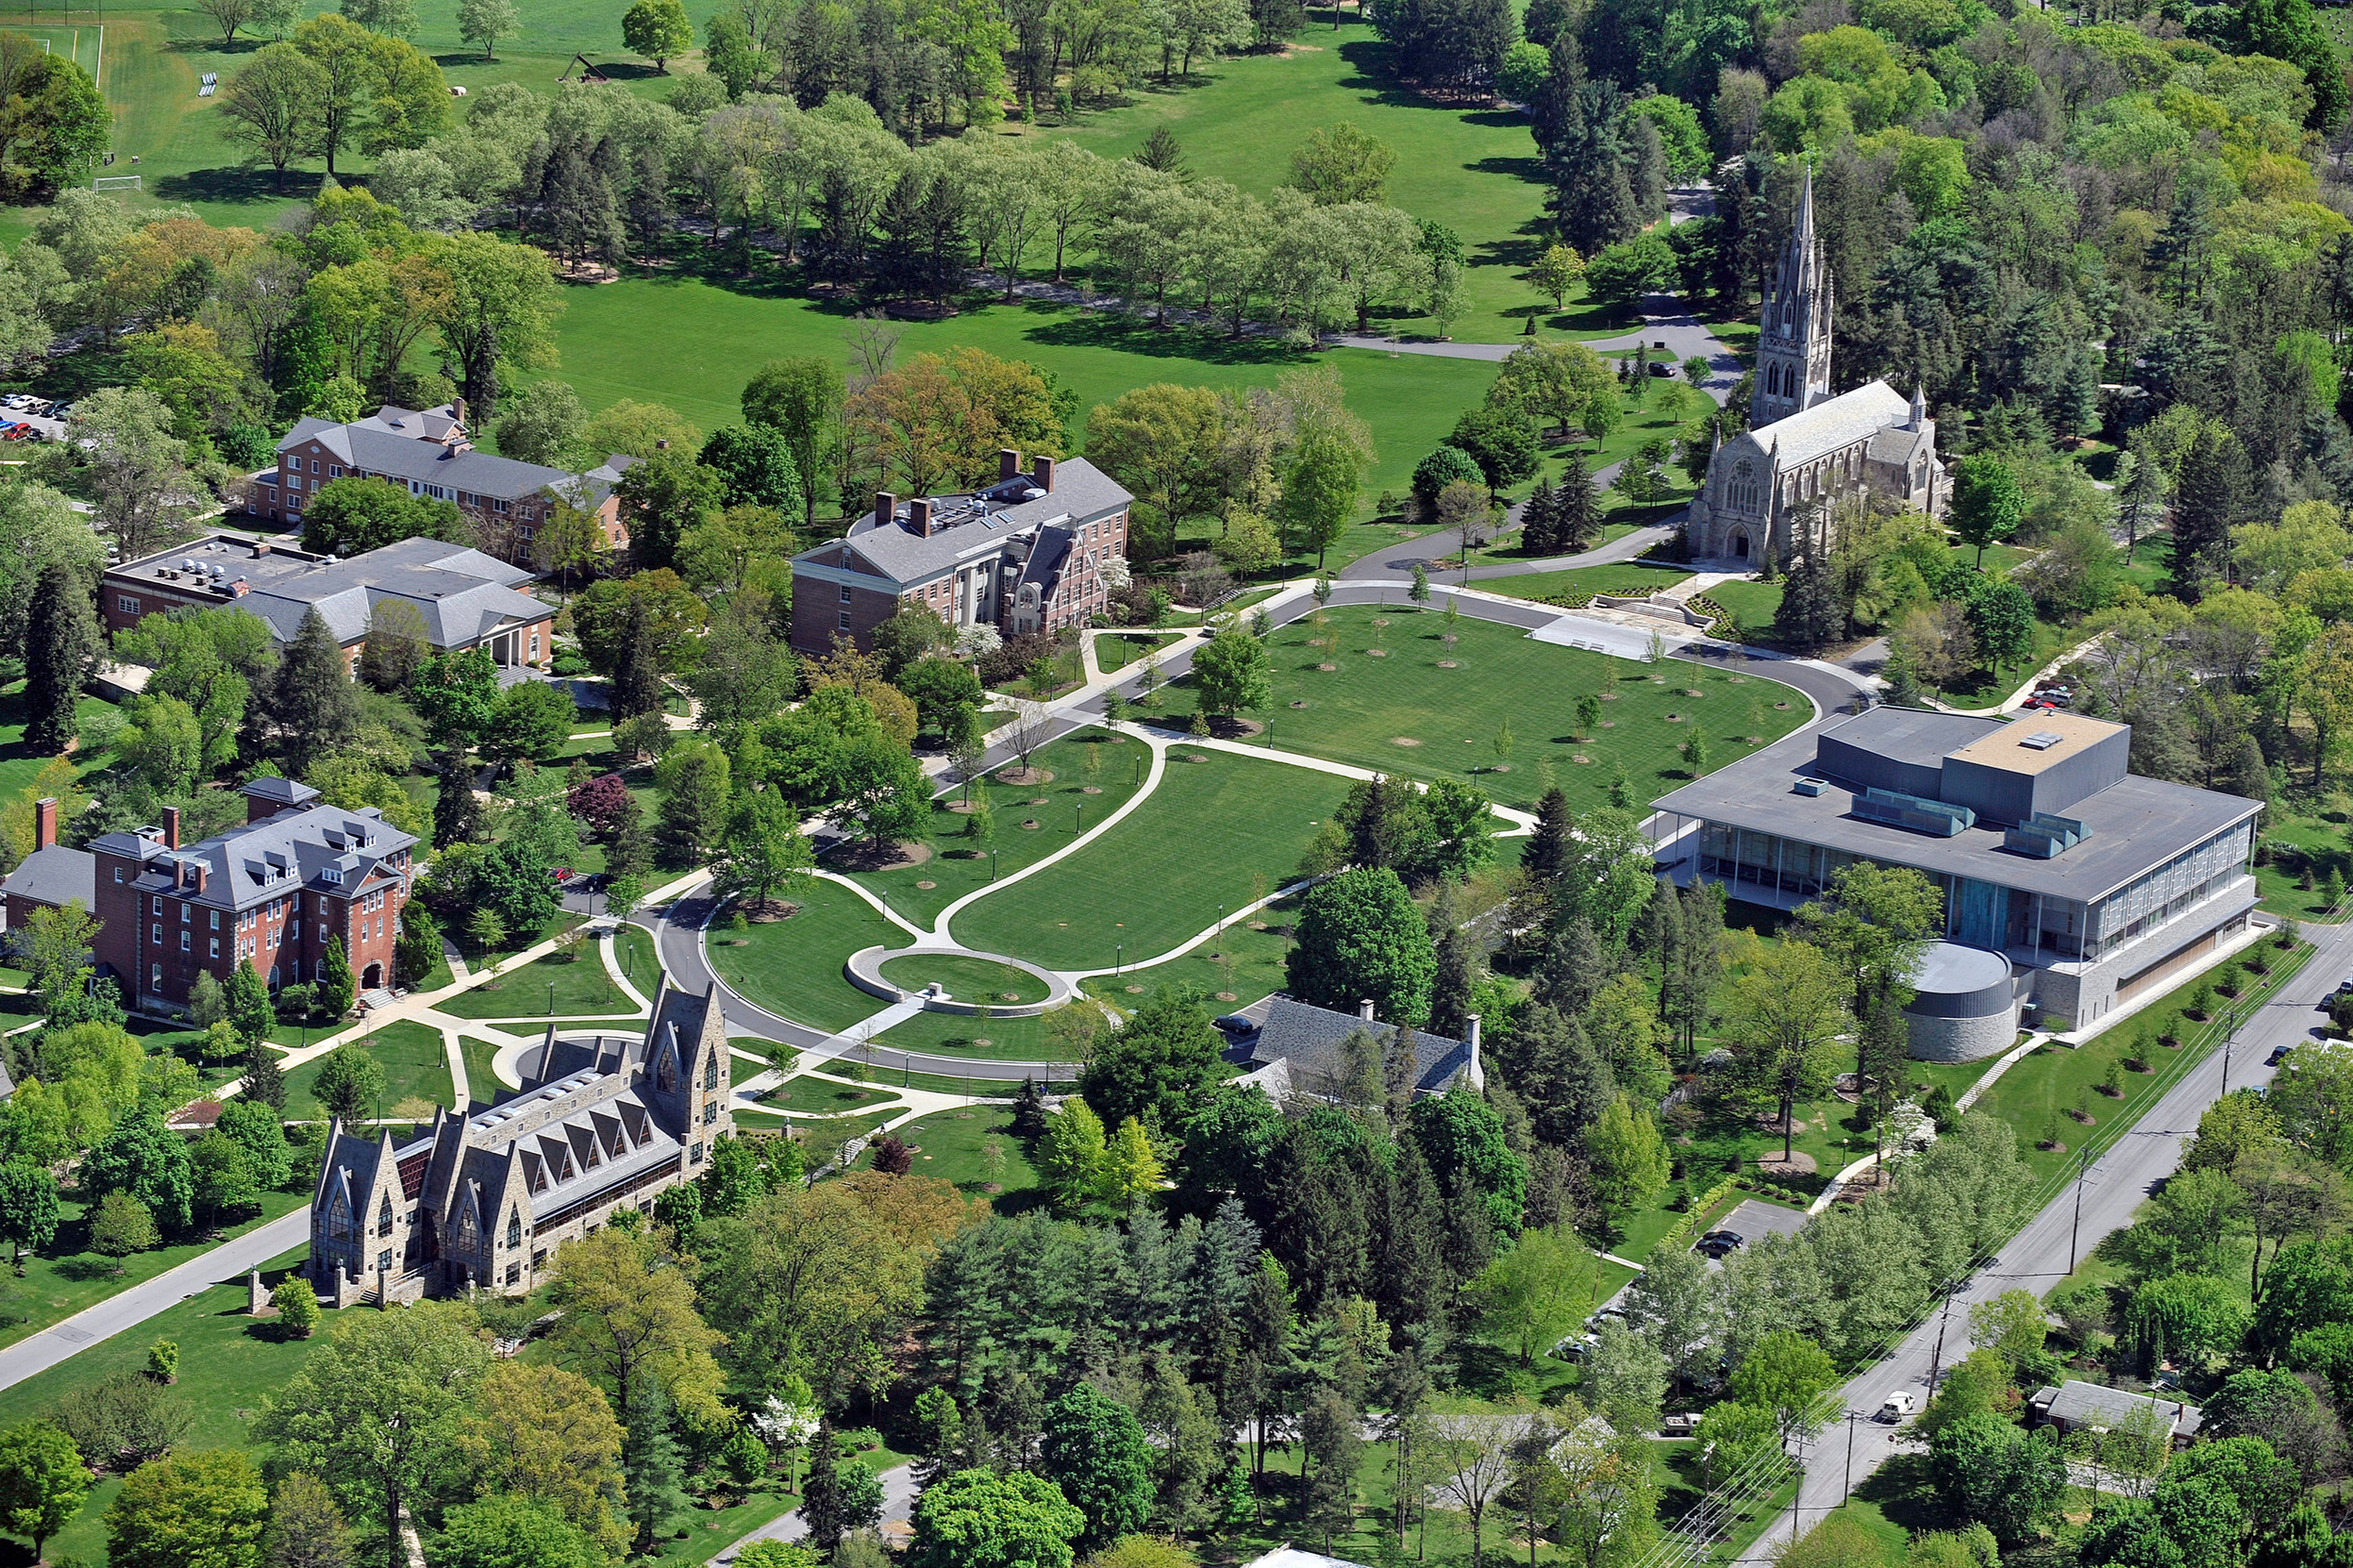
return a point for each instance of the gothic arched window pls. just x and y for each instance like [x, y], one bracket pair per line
[710, 1072]
[666, 1074]
[1743, 489]
[384, 1217]
[514, 1226]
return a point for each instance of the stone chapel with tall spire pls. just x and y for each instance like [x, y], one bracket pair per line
[1804, 445]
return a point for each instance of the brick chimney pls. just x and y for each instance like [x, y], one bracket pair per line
[918, 516]
[1364, 1010]
[1042, 470]
[45, 823]
[195, 878]
[885, 505]
[1007, 463]
[663, 445]
[171, 827]
[261, 549]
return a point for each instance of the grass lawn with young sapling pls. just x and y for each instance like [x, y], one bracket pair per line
[1094, 774]
[483, 1084]
[2047, 1093]
[66, 1276]
[1223, 830]
[810, 1094]
[966, 979]
[793, 967]
[954, 1145]
[633, 953]
[575, 979]
[1626, 579]
[1116, 650]
[1390, 702]
[415, 1067]
[1231, 969]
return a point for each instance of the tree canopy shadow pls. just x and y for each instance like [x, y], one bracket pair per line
[232, 183]
[210, 44]
[1129, 334]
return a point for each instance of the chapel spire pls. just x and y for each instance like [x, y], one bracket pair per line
[1794, 338]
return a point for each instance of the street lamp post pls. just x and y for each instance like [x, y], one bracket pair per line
[1119, 959]
[993, 865]
[1846, 1487]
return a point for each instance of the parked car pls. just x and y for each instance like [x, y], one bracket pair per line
[1235, 1023]
[2278, 1054]
[1720, 1243]
[1898, 1405]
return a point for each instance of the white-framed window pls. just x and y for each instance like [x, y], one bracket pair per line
[845, 592]
[185, 944]
[498, 504]
[155, 976]
[154, 934]
[155, 905]
[335, 470]
[314, 465]
[294, 482]
[128, 605]
[844, 621]
[216, 920]
[216, 948]
[118, 876]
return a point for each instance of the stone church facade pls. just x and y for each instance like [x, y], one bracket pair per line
[601, 1123]
[1804, 445]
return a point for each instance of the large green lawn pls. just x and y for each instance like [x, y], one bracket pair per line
[1474, 170]
[715, 338]
[1217, 831]
[577, 981]
[1626, 579]
[415, 1065]
[955, 1145]
[966, 979]
[65, 1276]
[1094, 773]
[795, 966]
[1405, 713]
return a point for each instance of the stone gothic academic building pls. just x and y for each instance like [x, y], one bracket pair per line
[1803, 445]
[485, 1198]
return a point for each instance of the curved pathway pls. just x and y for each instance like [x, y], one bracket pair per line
[678, 928]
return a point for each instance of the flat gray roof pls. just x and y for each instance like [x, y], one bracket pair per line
[1920, 736]
[1949, 967]
[2137, 825]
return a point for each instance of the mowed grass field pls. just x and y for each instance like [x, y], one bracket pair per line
[1222, 830]
[793, 967]
[1404, 713]
[1474, 170]
[712, 339]
[1094, 774]
[415, 1065]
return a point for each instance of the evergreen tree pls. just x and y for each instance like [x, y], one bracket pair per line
[1549, 849]
[821, 1494]
[1575, 509]
[1573, 966]
[1450, 992]
[265, 1081]
[337, 985]
[653, 1470]
[61, 645]
[1810, 618]
[1335, 1451]
[312, 706]
[1466, 1242]
[1592, 199]
[458, 814]
[2210, 498]
[1314, 1221]
[1028, 1110]
[1685, 999]
[1267, 1326]
[1410, 1271]
[1540, 521]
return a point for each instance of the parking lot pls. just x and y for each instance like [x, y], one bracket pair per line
[27, 417]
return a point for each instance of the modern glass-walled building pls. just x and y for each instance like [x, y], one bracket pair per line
[2094, 882]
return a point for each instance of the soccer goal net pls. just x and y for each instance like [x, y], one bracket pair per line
[115, 182]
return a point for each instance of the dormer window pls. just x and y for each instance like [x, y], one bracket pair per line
[331, 875]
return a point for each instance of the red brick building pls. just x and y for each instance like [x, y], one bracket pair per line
[1033, 552]
[429, 453]
[276, 890]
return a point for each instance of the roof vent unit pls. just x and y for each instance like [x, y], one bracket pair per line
[2044, 836]
[2042, 739]
[1811, 785]
[1915, 813]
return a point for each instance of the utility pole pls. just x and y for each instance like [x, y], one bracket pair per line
[2075, 1229]
[1846, 1487]
[1936, 1357]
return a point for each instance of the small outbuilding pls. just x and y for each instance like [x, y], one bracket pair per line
[1964, 1005]
[2091, 1407]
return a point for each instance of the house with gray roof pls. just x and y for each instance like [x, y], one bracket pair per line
[1297, 1051]
[462, 598]
[2090, 883]
[2091, 1406]
[1036, 551]
[1804, 444]
[601, 1123]
[429, 453]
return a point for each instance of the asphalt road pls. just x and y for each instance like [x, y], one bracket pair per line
[2116, 1186]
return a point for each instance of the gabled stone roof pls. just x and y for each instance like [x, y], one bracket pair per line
[967, 527]
[1307, 1041]
[1832, 427]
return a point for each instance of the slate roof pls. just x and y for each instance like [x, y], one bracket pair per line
[1831, 426]
[379, 451]
[54, 877]
[1307, 1041]
[967, 527]
[462, 594]
[291, 852]
[2073, 1404]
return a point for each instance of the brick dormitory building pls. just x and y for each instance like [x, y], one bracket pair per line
[430, 454]
[1027, 554]
[276, 890]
